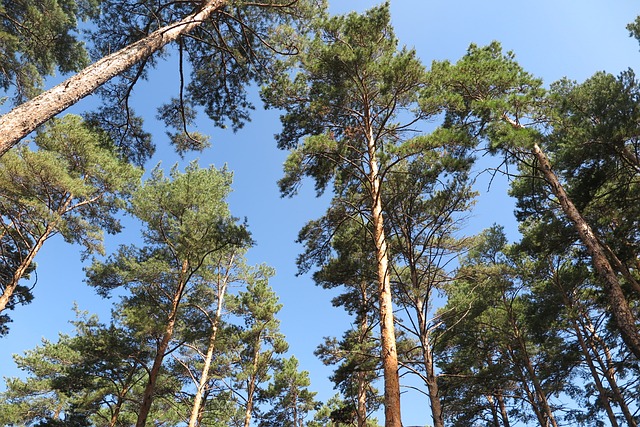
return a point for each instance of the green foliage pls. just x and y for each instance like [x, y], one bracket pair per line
[73, 185]
[288, 397]
[499, 342]
[38, 38]
[239, 45]
[482, 89]
[89, 377]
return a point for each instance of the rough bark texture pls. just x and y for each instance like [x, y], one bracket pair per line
[387, 328]
[619, 305]
[22, 120]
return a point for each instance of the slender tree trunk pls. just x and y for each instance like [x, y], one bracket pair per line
[22, 120]
[587, 351]
[147, 396]
[26, 262]
[251, 388]
[361, 377]
[10, 287]
[204, 377]
[494, 410]
[602, 394]
[116, 411]
[531, 397]
[389, 352]
[503, 410]
[608, 369]
[619, 305]
[541, 396]
[431, 377]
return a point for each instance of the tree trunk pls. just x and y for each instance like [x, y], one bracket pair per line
[587, 350]
[503, 410]
[361, 377]
[10, 287]
[609, 370]
[531, 397]
[387, 328]
[251, 388]
[204, 376]
[494, 411]
[25, 118]
[618, 303]
[147, 396]
[431, 377]
[525, 359]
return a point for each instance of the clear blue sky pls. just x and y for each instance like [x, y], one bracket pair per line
[551, 39]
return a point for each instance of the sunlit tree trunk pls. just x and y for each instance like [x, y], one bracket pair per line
[147, 397]
[389, 352]
[204, 376]
[22, 120]
[619, 305]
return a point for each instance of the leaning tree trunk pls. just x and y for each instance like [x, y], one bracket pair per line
[619, 305]
[12, 285]
[22, 120]
[148, 394]
[204, 377]
[389, 352]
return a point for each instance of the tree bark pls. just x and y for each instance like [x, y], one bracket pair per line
[25, 118]
[389, 352]
[503, 410]
[619, 305]
[587, 346]
[147, 396]
[431, 377]
[204, 377]
[10, 287]
[251, 387]
[525, 362]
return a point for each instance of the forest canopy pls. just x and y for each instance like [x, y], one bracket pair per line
[271, 214]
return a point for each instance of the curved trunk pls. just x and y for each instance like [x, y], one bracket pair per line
[25, 118]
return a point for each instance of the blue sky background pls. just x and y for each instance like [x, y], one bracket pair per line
[551, 39]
